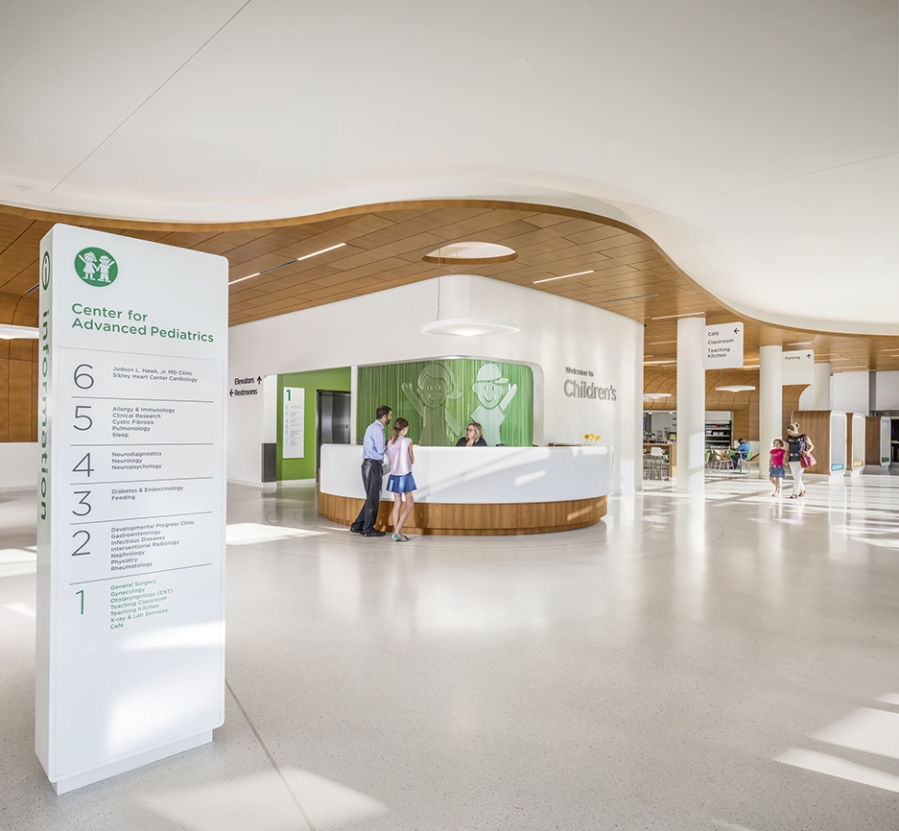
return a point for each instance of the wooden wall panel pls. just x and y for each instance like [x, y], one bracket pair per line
[18, 371]
[4, 398]
[872, 441]
[816, 425]
[22, 401]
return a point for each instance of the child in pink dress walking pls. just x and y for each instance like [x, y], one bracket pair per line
[401, 482]
[776, 471]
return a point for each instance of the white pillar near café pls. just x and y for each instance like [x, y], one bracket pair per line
[691, 406]
[771, 395]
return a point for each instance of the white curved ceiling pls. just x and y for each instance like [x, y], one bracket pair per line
[758, 143]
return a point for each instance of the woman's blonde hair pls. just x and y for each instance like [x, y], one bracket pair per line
[398, 426]
[478, 432]
[794, 427]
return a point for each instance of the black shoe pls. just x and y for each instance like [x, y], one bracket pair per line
[374, 533]
[355, 529]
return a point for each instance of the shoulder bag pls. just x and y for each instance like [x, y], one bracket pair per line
[806, 459]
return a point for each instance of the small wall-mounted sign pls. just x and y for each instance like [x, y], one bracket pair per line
[241, 386]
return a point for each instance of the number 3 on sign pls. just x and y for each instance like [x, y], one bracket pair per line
[84, 495]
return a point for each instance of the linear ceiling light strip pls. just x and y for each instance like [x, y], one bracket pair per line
[564, 276]
[671, 317]
[289, 262]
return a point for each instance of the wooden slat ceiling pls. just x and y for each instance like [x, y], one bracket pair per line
[384, 247]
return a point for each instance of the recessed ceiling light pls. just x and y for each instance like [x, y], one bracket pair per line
[471, 253]
[289, 262]
[656, 395]
[650, 363]
[564, 276]
[660, 342]
[735, 388]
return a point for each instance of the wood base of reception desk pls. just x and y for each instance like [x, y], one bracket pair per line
[474, 520]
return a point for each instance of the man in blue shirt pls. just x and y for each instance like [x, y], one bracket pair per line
[741, 452]
[374, 453]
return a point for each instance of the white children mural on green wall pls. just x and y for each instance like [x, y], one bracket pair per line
[494, 397]
[436, 386]
[440, 396]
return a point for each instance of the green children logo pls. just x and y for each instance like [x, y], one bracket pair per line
[96, 267]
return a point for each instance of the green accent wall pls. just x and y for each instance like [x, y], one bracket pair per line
[324, 379]
[439, 397]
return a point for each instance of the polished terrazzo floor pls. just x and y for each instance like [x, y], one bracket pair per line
[727, 664]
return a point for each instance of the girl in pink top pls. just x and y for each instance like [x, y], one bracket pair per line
[401, 482]
[776, 471]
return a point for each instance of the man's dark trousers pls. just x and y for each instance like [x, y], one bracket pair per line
[372, 473]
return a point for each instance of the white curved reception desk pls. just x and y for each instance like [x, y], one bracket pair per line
[479, 490]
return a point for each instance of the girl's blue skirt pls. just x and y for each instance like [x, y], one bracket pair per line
[776, 472]
[401, 484]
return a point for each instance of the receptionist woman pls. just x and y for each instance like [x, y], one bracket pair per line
[473, 437]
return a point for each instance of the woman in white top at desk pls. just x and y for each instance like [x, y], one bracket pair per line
[401, 482]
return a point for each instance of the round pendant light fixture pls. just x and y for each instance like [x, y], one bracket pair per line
[467, 327]
[9, 331]
[459, 299]
[655, 396]
[735, 388]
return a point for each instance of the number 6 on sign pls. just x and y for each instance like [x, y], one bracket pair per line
[83, 380]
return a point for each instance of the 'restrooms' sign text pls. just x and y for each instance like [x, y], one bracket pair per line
[131, 503]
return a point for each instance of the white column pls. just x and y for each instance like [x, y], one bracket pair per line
[816, 396]
[771, 396]
[691, 406]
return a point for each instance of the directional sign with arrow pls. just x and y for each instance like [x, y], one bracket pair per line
[723, 347]
[799, 367]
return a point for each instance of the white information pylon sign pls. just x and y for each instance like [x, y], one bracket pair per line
[293, 423]
[131, 503]
[724, 346]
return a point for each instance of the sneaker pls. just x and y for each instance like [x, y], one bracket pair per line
[397, 538]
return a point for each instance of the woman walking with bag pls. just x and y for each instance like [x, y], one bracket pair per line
[799, 455]
[401, 482]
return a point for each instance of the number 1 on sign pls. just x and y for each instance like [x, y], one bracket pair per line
[81, 592]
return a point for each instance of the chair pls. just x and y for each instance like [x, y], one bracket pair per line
[654, 466]
[723, 460]
[747, 464]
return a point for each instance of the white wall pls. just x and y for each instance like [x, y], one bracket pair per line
[887, 391]
[849, 392]
[18, 465]
[385, 327]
